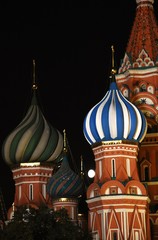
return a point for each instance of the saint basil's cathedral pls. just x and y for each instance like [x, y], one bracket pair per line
[122, 133]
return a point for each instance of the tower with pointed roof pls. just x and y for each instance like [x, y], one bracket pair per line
[117, 200]
[30, 150]
[138, 81]
[137, 78]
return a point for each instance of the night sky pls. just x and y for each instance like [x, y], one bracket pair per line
[71, 44]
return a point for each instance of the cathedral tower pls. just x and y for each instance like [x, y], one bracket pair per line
[30, 150]
[117, 200]
[138, 81]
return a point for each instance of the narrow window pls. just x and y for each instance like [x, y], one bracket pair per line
[113, 168]
[146, 173]
[136, 235]
[114, 236]
[31, 191]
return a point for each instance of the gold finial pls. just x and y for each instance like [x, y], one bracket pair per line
[65, 142]
[34, 85]
[113, 70]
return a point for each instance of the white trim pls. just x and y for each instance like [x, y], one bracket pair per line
[16, 184]
[137, 73]
[44, 190]
[112, 156]
[124, 224]
[32, 168]
[72, 213]
[30, 175]
[103, 225]
[19, 191]
[151, 183]
[119, 197]
[100, 169]
[128, 167]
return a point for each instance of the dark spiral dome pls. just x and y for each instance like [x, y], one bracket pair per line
[114, 118]
[33, 140]
[65, 182]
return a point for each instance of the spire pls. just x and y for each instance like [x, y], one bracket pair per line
[82, 173]
[142, 47]
[113, 69]
[34, 84]
[65, 142]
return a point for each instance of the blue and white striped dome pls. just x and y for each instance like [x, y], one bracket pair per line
[114, 118]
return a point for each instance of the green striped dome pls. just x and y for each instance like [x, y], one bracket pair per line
[33, 140]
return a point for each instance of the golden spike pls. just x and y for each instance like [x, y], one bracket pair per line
[65, 142]
[34, 85]
[82, 173]
[113, 70]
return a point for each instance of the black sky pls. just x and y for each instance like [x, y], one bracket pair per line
[71, 44]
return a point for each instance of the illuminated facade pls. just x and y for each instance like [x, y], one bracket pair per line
[37, 155]
[118, 202]
[137, 79]
[123, 198]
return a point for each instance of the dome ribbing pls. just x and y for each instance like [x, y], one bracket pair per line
[114, 118]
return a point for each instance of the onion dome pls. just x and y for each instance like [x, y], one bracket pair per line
[34, 139]
[65, 182]
[114, 118]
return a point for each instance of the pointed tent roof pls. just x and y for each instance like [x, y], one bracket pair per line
[142, 46]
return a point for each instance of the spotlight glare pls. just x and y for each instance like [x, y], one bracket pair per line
[91, 173]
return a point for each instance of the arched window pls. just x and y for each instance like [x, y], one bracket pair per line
[145, 167]
[151, 89]
[136, 90]
[126, 93]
